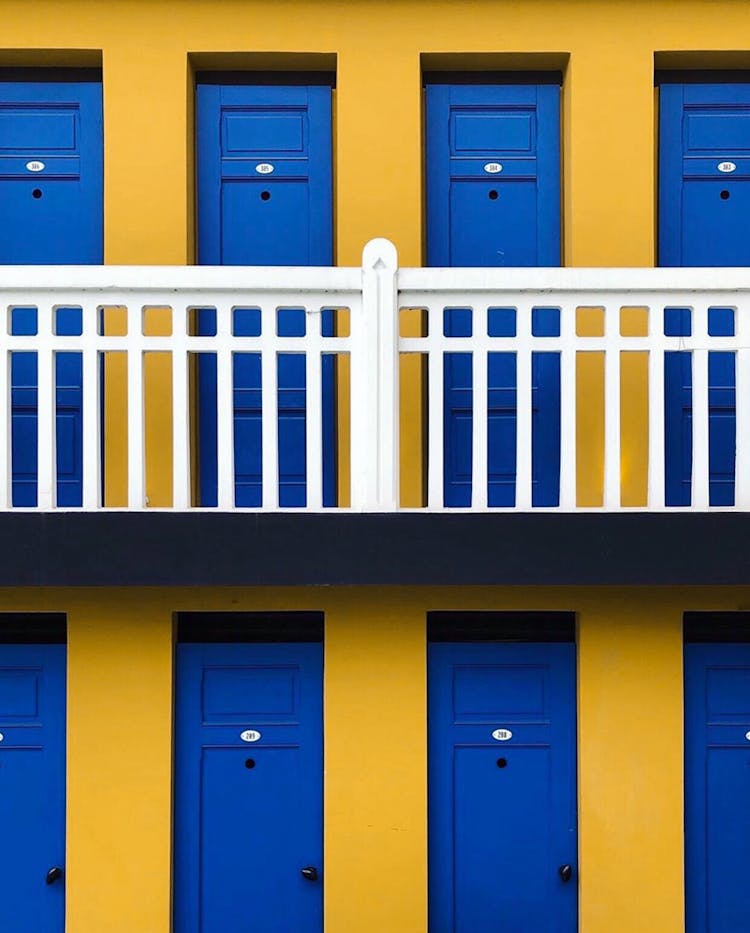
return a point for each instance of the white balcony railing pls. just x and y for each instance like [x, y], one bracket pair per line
[374, 295]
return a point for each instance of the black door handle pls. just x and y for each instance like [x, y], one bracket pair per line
[310, 873]
[54, 874]
[565, 872]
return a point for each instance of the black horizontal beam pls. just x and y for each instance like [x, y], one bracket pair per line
[283, 549]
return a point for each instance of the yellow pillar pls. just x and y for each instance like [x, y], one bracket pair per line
[375, 768]
[147, 197]
[119, 767]
[630, 767]
[379, 190]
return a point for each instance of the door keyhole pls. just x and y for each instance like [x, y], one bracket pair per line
[265, 195]
[249, 763]
[502, 762]
[724, 195]
[36, 193]
[493, 195]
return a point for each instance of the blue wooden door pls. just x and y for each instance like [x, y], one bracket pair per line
[249, 814]
[493, 199]
[51, 182]
[32, 787]
[717, 787]
[704, 198]
[502, 788]
[265, 197]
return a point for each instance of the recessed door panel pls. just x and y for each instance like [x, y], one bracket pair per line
[493, 199]
[502, 788]
[248, 793]
[51, 184]
[32, 787]
[265, 198]
[704, 199]
[717, 792]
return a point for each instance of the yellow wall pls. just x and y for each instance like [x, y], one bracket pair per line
[120, 667]
[630, 747]
[606, 49]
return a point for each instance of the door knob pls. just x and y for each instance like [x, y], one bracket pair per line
[565, 872]
[54, 874]
[310, 873]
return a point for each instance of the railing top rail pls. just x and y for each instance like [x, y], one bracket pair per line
[605, 280]
[166, 280]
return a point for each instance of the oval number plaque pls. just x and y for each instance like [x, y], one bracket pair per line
[747, 736]
[250, 735]
[726, 167]
[1, 736]
[35, 166]
[493, 168]
[264, 168]
[502, 735]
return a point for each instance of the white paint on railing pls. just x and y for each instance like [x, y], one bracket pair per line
[225, 405]
[656, 422]
[480, 424]
[612, 406]
[181, 473]
[568, 421]
[136, 407]
[374, 296]
[90, 419]
[5, 454]
[46, 390]
[699, 474]
[742, 400]
[374, 378]
[525, 343]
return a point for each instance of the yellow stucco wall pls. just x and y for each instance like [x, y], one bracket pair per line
[150, 51]
[630, 652]
[120, 686]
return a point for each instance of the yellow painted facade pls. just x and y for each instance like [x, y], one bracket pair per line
[120, 670]
[120, 654]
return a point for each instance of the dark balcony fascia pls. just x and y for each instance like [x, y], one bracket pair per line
[344, 549]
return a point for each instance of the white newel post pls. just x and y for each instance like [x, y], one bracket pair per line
[374, 384]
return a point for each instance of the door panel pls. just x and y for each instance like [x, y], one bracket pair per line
[248, 815]
[52, 215]
[32, 786]
[279, 217]
[717, 786]
[502, 811]
[704, 197]
[493, 199]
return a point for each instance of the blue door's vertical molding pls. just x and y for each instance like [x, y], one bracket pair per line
[248, 812]
[549, 230]
[670, 174]
[479, 880]
[437, 178]
[32, 789]
[50, 216]
[292, 227]
[454, 172]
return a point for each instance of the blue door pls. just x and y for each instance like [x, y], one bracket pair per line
[493, 199]
[502, 788]
[32, 787]
[265, 197]
[717, 787]
[704, 198]
[51, 181]
[248, 788]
